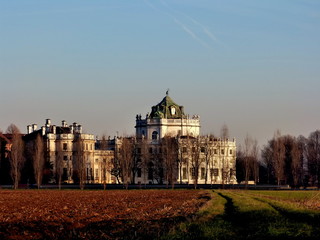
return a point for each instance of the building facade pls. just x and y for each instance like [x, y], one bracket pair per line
[68, 145]
[167, 118]
[198, 159]
[167, 148]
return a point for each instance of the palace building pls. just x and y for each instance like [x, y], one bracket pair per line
[66, 144]
[167, 148]
[200, 159]
[167, 118]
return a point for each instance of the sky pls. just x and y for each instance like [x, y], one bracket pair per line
[252, 65]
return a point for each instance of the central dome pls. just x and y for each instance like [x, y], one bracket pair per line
[168, 109]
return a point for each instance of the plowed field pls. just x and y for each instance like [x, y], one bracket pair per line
[75, 214]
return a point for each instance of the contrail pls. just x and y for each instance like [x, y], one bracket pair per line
[203, 27]
[179, 23]
[191, 33]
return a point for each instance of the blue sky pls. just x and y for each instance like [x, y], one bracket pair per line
[253, 65]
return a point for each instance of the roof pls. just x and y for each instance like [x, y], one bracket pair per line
[168, 109]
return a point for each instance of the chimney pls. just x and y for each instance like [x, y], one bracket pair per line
[43, 129]
[48, 122]
[64, 123]
[80, 128]
[54, 129]
[72, 129]
[34, 127]
[29, 129]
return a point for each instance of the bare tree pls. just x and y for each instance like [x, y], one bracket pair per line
[255, 158]
[313, 152]
[104, 163]
[38, 159]
[208, 150]
[267, 158]
[195, 159]
[247, 158]
[126, 155]
[116, 169]
[156, 166]
[59, 164]
[16, 157]
[278, 156]
[79, 162]
[144, 158]
[296, 163]
[170, 155]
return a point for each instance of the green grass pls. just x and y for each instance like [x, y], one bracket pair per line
[253, 215]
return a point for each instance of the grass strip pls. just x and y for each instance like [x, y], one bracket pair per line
[239, 215]
[208, 224]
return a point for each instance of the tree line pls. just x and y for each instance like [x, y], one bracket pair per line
[285, 159]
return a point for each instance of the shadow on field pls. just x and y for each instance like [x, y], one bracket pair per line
[266, 223]
[275, 223]
[309, 217]
[248, 225]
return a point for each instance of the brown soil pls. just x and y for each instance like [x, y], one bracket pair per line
[75, 214]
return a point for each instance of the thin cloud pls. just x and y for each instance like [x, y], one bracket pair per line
[205, 29]
[191, 33]
[183, 26]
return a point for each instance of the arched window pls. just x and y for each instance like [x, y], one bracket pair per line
[154, 135]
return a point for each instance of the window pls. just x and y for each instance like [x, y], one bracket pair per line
[215, 151]
[222, 151]
[154, 135]
[97, 173]
[230, 151]
[150, 174]
[215, 172]
[203, 173]
[203, 149]
[211, 172]
[139, 172]
[150, 150]
[193, 149]
[65, 146]
[65, 158]
[184, 149]
[139, 150]
[184, 173]
[224, 174]
[193, 173]
[65, 174]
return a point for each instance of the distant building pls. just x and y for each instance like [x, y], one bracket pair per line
[167, 118]
[211, 159]
[194, 158]
[60, 143]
